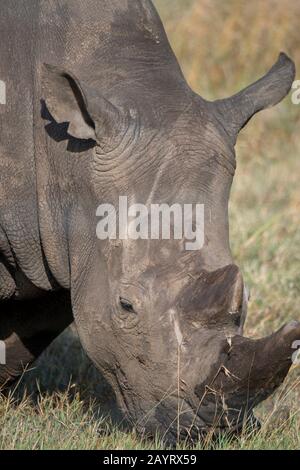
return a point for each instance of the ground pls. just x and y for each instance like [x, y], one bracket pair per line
[222, 47]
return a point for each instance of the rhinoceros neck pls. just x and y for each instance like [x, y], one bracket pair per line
[118, 47]
[18, 202]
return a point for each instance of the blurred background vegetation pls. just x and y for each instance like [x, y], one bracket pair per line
[222, 46]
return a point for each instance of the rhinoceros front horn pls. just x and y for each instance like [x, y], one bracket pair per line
[250, 371]
[236, 111]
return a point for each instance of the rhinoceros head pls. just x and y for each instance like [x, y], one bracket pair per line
[164, 323]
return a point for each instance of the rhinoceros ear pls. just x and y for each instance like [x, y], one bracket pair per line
[90, 116]
[237, 110]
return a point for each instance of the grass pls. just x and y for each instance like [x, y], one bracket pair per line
[71, 419]
[222, 46]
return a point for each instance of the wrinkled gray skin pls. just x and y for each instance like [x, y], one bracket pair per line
[111, 114]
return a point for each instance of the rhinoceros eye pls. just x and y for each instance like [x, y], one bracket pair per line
[126, 305]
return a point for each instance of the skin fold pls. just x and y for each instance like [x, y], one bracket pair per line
[97, 107]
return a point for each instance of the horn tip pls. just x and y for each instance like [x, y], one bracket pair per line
[286, 63]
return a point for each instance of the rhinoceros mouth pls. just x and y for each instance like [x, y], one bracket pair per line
[183, 424]
[248, 371]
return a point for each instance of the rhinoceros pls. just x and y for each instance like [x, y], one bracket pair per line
[94, 106]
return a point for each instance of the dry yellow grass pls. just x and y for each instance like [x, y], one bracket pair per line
[223, 44]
